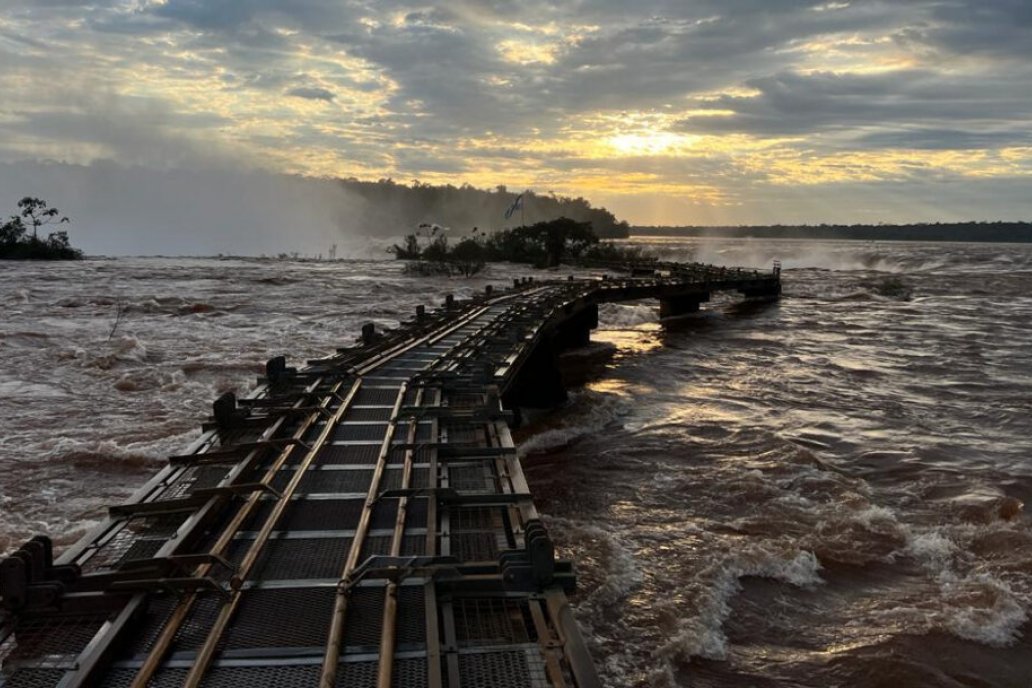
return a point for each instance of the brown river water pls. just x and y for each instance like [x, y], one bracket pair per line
[825, 491]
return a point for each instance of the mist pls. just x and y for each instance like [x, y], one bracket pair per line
[225, 209]
[117, 210]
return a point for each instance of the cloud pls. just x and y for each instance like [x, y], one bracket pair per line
[996, 28]
[605, 98]
[896, 104]
[311, 93]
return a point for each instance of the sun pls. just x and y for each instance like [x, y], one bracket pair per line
[649, 143]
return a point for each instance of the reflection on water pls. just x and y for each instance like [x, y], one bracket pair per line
[825, 491]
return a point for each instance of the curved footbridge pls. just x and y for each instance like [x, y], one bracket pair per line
[362, 521]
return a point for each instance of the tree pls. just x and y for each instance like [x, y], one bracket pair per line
[17, 244]
[546, 244]
[467, 256]
[35, 210]
[12, 232]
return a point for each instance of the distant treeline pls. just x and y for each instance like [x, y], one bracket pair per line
[398, 207]
[938, 231]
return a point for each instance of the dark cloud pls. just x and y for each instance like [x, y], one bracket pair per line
[909, 108]
[998, 28]
[311, 93]
[946, 139]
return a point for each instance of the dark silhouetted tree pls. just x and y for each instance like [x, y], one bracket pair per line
[17, 244]
[37, 213]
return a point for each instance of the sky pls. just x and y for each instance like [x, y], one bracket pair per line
[664, 111]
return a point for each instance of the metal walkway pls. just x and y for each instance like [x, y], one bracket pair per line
[360, 522]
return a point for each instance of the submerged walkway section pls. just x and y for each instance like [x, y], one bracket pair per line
[362, 521]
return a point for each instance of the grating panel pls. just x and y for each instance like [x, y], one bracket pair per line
[354, 454]
[512, 669]
[424, 432]
[413, 545]
[400, 368]
[380, 545]
[476, 518]
[415, 513]
[195, 627]
[409, 673]
[357, 675]
[364, 621]
[490, 622]
[313, 514]
[385, 514]
[476, 478]
[411, 620]
[291, 676]
[371, 396]
[336, 482]
[431, 397]
[157, 529]
[360, 432]
[32, 678]
[375, 546]
[195, 478]
[298, 559]
[419, 455]
[261, 619]
[165, 677]
[288, 676]
[370, 414]
[475, 546]
[466, 401]
[143, 549]
[339, 514]
[466, 434]
[158, 609]
[391, 479]
[39, 637]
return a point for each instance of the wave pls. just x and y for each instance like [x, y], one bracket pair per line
[123, 350]
[702, 634]
[615, 315]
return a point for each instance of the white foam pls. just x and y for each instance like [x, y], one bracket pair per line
[15, 389]
[602, 410]
[551, 440]
[984, 609]
[933, 548]
[702, 635]
[616, 316]
[874, 515]
[972, 603]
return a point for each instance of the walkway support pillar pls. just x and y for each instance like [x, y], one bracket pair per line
[540, 383]
[682, 305]
[575, 332]
[764, 291]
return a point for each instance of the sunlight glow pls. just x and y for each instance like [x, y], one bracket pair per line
[650, 143]
[527, 52]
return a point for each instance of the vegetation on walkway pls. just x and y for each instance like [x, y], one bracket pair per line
[19, 236]
[543, 245]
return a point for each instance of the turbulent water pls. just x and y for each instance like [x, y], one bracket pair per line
[826, 491]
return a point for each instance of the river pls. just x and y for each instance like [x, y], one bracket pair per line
[824, 491]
